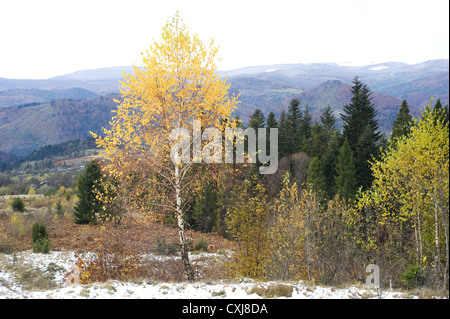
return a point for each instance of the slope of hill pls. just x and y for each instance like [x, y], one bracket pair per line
[263, 94]
[269, 88]
[17, 97]
[23, 130]
[392, 78]
[417, 83]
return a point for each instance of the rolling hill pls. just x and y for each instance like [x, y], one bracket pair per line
[42, 112]
[16, 97]
[24, 129]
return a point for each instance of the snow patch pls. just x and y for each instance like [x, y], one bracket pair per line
[271, 70]
[378, 68]
[9, 289]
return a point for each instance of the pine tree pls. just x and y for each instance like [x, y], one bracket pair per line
[447, 120]
[88, 205]
[330, 161]
[327, 118]
[316, 143]
[305, 126]
[359, 122]
[316, 178]
[346, 182]
[283, 137]
[271, 121]
[257, 119]
[39, 236]
[256, 122]
[294, 117]
[402, 123]
[440, 113]
[366, 151]
[204, 210]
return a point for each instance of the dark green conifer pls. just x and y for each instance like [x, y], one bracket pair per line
[346, 182]
[88, 205]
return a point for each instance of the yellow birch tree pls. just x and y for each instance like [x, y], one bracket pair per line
[412, 185]
[177, 86]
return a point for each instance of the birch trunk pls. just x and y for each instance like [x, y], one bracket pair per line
[189, 272]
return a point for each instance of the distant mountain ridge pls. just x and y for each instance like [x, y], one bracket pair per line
[67, 107]
[16, 97]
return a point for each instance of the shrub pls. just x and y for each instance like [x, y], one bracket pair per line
[5, 241]
[18, 205]
[163, 248]
[39, 235]
[50, 191]
[202, 245]
[414, 276]
[17, 225]
[59, 208]
[112, 263]
[273, 291]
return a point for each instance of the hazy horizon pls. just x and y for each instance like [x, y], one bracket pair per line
[47, 38]
[343, 64]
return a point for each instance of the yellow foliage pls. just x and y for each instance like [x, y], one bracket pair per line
[247, 223]
[177, 85]
[411, 184]
[17, 225]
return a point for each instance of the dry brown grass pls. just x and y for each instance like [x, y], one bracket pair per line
[134, 236]
[273, 290]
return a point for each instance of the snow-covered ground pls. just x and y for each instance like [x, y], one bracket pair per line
[61, 262]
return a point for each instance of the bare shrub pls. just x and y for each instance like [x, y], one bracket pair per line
[273, 290]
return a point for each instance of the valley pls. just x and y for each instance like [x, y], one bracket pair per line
[35, 113]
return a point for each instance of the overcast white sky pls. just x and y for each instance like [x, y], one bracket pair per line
[45, 38]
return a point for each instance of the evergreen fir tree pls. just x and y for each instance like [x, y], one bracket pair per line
[271, 121]
[316, 178]
[402, 123]
[305, 126]
[204, 210]
[366, 151]
[256, 120]
[330, 161]
[438, 107]
[346, 182]
[316, 143]
[446, 115]
[360, 123]
[327, 118]
[294, 136]
[88, 205]
[440, 112]
[39, 236]
[283, 137]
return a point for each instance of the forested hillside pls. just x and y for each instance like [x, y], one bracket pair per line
[24, 129]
